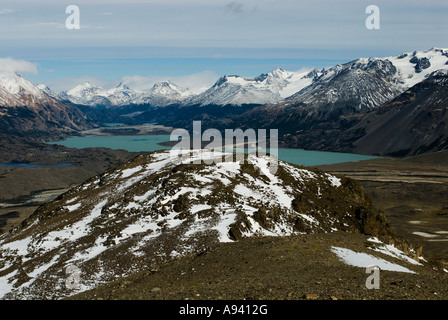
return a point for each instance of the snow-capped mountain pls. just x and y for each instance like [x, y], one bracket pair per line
[358, 85]
[361, 84]
[26, 109]
[234, 90]
[162, 94]
[266, 88]
[414, 67]
[351, 88]
[62, 96]
[122, 221]
[17, 91]
[369, 82]
[91, 95]
[85, 91]
[228, 90]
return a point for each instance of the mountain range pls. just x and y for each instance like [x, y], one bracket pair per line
[344, 104]
[314, 109]
[362, 83]
[161, 94]
[228, 90]
[356, 86]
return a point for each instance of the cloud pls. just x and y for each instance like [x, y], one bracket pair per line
[45, 25]
[311, 24]
[66, 84]
[7, 11]
[19, 66]
[55, 25]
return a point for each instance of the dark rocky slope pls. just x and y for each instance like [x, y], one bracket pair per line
[413, 123]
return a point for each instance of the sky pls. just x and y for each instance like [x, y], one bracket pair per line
[194, 42]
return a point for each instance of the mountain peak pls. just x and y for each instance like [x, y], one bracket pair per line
[230, 79]
[122, 86]
[164, 84]
[14, 89]
[277, 72]
[166, 87]
[86, 86]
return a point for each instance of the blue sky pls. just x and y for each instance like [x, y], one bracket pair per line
[199, 40]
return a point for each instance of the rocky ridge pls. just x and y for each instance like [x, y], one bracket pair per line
[156, 208]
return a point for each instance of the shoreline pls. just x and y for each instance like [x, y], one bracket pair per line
[128, 130]
[161, 130]
[98, 132]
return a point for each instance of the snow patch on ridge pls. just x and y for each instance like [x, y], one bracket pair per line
[364, 260]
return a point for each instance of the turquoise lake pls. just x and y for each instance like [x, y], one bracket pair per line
[149, 143]
[26, 165]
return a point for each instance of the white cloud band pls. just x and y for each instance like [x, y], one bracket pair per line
[19, 66]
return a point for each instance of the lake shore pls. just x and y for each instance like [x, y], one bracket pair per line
[149, 143]
[126, 130]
